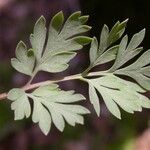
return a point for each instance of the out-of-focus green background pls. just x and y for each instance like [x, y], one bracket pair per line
[17, 18]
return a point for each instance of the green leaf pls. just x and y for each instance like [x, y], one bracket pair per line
[93, 50]
[50, 104]
[64, 38]
[53, 105]
[126, 53]
[104, 38]
[83, 19]
[20, 104]
[94, 99]
[136, 40]
[57, 63]
[83, 40]
[116, 32]
[23, 62]
[139, 70]
[107, 56]
[102, 52]
[145, 71]
[38, 37]
[41, 115]
[118, 92]
[97, 58]
[57, 21]
[58, 104]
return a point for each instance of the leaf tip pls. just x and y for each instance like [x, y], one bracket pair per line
[83, 40]
[125, 21]
[57, 21]
[119, 117]
[84, 19]
[75, 16]
[21, 43]
[142, 32]
[40, 21]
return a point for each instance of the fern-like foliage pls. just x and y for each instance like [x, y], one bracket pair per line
[50, 104]
[104, 51]
[52, 56]
[114, 90]
[52, 49]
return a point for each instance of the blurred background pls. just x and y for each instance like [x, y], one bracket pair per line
[17, 18]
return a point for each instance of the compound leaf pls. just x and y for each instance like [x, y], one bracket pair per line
[102, 53]
[127, 52]
[118, 92]
[139, 70]
[58, 103]
[63, 40]
[50, 104]
[53, 105]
